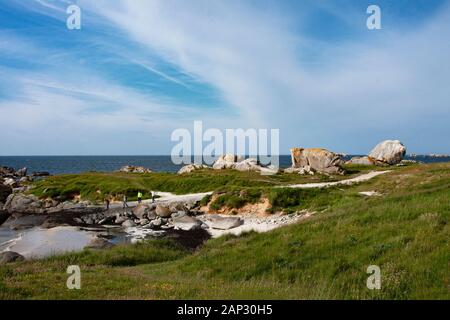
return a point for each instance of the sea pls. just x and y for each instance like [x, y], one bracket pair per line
[78, 164]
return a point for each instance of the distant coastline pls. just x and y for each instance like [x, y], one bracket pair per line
[78, 164]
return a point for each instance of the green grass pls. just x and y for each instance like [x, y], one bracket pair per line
[406, 232]
[96, 186]
[235, 198]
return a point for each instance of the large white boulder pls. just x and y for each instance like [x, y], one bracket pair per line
[223, 222]
[389, 152]
[163, 211]
[186, 223]
[192, 167]
[317, 159]
[227, 161]
[250, 164]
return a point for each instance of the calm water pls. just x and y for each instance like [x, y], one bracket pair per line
[77, 164]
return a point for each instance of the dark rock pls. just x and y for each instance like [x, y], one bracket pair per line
[25, 179]
[88, 220]
[7, 171]
[40, 174]
[78, 220]
[120, 219]
[22, 172]
[11, 182]
[3, 216]
[23, 204]
[99, 243]
[128, 224]
[5, 191]
[107, 220]
[9, 257]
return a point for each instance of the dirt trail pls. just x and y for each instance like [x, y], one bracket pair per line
[165, 197]
[361, 178]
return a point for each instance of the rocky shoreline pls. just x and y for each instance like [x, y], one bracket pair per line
[177, 217]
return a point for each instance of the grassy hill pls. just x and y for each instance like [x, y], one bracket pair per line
[405, 231]
[94, 186]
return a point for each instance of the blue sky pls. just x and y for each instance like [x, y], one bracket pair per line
[137, 70]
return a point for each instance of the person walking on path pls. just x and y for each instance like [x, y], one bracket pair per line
[125, 201]
[107, 202]
[139, 196]
[153, 197]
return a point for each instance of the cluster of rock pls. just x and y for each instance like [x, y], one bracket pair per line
[389, 152]
[134, 169]
[309, 161]
[12, 180]
[192, 167]
[159, 217]
[30, 204]
[231, 161]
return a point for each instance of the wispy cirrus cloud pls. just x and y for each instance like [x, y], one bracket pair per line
[357, 93]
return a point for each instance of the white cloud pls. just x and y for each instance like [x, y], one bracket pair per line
[366, 91]
[354, 95]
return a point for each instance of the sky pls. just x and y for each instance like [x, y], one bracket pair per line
[138, 70]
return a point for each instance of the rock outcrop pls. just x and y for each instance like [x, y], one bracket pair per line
[5, 191]
[13, 181]
[231, 161]
[227, 161]
[3, 216]
[367, 161]
[389, 152]
[302, 171]
[186, 223]
[163, 211]
[250, 164]
[145, 211]
[10, 257]
[191, 168]
[22, 203]
[134, 169]
[316, 159]
[40, 174]
[221, 222]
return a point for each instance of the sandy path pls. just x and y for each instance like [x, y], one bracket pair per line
[165, 197]
[361, 178]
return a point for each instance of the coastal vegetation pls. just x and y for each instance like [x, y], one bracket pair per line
[323, 257]
[95, 186]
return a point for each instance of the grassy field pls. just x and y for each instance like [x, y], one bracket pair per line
[95, 186]
[405, 231]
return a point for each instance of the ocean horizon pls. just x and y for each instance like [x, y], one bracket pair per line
[159, 163]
